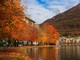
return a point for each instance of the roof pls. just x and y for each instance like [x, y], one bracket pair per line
[30, 19]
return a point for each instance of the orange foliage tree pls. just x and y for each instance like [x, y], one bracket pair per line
[49, 34]
[12, 25]
[32, 33]
[10, 17]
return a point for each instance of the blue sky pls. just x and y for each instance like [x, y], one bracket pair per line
[41, 10]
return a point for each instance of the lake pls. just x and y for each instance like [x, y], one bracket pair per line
[62, 52]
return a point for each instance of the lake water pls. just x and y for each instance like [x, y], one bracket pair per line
[63, 52]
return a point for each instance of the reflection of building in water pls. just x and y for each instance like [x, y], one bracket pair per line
[71, 40]
[71, 52]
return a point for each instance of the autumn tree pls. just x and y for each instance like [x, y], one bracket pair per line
[12, 25]
[49, 34]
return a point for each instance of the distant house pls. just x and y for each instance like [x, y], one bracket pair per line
[31, 22]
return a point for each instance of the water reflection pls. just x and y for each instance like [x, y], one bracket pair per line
[70, 52]
[50, 53]
[63, 52]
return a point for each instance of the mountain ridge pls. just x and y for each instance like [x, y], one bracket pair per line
[68, 22]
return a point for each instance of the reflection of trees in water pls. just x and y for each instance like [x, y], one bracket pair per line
[64, 52]
[43, 53]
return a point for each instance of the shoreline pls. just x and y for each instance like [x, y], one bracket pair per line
[29, 46]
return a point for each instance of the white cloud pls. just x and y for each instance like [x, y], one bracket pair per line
[40, 12]
[62, 5]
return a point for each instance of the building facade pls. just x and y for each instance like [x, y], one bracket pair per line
[29, 21]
